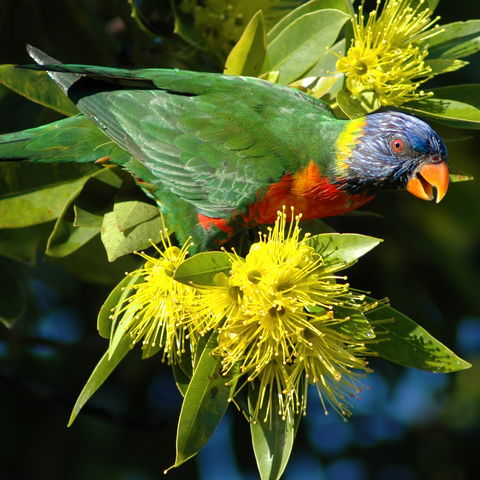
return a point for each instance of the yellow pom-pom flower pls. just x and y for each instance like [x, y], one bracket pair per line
[157, 312]
[269, 335]
[385, 64]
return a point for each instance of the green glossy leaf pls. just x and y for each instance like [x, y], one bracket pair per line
[342, 247]
[37, 87]
[350, 106]
[36, 207]
[308, 7]
[130, 213]
[23, 244]
[202, 268]
[101, 372]
[84, 218]
[404, 342]
[445, 65]
[461, 177]
[456, 40]
[118, 242]
[116, 296]
[356, 325]
[97, 193]
[466, 93]
[12, 296]
[90, 264]
[200, 347]
[182, 371]
[31, 194]
[326, 64]
[204, 405]
[184, 26]
[248, 55]
[299, 46]
[450, 112]
[39, 206]
[66, 238]
[22, 177]
[272, 441]
[181, 380]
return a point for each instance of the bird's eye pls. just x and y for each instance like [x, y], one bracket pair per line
[397, 145]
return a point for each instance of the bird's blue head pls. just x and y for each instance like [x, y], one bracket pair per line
[392, 150]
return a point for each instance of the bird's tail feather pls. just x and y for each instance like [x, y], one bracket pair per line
[74, 139]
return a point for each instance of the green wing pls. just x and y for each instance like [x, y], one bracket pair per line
[216, 141]
[72, 139]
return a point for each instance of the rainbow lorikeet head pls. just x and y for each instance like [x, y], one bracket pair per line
[392, 150]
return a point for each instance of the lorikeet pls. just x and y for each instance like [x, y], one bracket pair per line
[227, 152]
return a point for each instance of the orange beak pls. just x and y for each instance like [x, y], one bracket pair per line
[430, 176]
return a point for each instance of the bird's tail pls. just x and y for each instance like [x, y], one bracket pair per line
[74, 139]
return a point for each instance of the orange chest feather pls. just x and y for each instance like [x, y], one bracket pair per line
[309, 193]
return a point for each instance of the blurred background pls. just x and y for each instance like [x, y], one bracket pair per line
[407, 425]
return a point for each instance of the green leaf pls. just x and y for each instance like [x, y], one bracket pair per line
[200, 347]
[248, 55]
[130, 213]
[90, 264]
[299, 46]
[17, 178]
[356, 325]
[202, 268]
[37, 87]
[38, 206]
[461, 177]
[465, 93]
[12, 296]
[308, 7]
[118, 242]
[272, 441]
[326, 64]
[97, 193]
[404, 342]
[204, 405]
[116, 297]
[450, 112]
[445, 65]
[101, 372]
[349, 105]
[23, 244]
[184, 26]
[342, 247]
[182, 371]
[456, 40]
[84, 218]
[181, 380]
[66, 238]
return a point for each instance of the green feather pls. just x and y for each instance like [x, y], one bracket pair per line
[74, 139]
[207, 143]
[214, 140]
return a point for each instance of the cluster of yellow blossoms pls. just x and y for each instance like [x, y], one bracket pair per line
[274, 314]
[385, 63]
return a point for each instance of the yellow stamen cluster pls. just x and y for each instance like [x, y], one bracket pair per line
[274, 314]
[385, 65]
[157, 312]
[269, 333]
